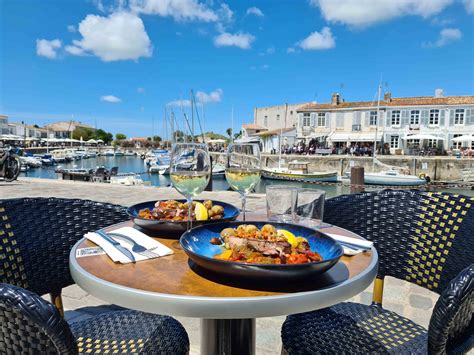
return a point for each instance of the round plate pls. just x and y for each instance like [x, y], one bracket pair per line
[196, 243]
[174, 228]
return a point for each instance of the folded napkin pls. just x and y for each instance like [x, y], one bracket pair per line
[361, 243]
[140, 238]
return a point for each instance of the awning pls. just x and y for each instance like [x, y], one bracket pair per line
[248, 140]
[11, 137]
[464, 138]
[216, 141]
[354, 137]
[423, 137]
[91, 141]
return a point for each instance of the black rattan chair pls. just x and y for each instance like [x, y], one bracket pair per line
[36, 236]
[421, 237]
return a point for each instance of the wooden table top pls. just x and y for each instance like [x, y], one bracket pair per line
[172, 275]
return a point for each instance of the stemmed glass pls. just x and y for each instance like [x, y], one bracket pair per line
[242, 169]
[190, 169]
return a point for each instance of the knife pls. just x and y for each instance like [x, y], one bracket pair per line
[117, 245]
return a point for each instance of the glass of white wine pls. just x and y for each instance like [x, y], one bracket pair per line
[190, 170]
[242, 169]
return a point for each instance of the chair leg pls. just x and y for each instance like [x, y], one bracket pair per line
[57, 300]
[378, 291]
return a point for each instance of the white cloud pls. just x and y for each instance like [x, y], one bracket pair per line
[268, 51]
[225, 13]
[361, 13]
[180, 10]
[110, 98]
[119, 36]
[241, 40]
[265, 66]
[47, 48]
[140, 90]
[318, 40]
[213, 96]
[469, 5]
[179, 103]
[71, 28]
[255, 11]
[446, 36]
[290, 50]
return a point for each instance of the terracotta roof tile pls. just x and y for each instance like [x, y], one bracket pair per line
[274, 132]
[253, 126]
[395, 102]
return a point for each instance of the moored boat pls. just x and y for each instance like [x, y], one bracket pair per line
[109, 153]
[298, 171]
[119, 153]
[392, 178]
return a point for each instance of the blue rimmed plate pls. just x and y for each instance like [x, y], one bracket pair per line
[176, 228]
[196, 243]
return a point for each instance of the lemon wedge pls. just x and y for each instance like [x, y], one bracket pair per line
[201, 212]
[290, 237]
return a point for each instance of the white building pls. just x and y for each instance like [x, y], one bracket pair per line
[4, 125]
[276, 117]
[341, 123]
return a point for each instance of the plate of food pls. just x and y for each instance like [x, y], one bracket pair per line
[171, 216]
[261, 249]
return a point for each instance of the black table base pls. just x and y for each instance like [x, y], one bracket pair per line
[228, 336]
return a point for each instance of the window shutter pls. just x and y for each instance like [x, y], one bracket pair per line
[339, 120]
[404, 118]
[389, 120]
[424, 117]
[328, 118]
[442, 116]
[313, 120]
[300, 120]
[367, 119]
[469, 119]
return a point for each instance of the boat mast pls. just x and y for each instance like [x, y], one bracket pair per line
[232, 125]
[377, 124]
[192, 116]
[281, 136]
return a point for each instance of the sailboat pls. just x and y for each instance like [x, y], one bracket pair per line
[391, 175]
[296, 170]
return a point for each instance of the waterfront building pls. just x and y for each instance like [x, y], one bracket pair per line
[276, 117]
[64, 129]
[4, 125]
[339, 124]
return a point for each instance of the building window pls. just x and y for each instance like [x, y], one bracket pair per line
[265, 121]
[278, 117]
[291, 112]
[394, 142]
[415, 117]
[373, 118]
[459, 116]
[306, 119]
[321, 119]
[432, 143]
[434, 117]
[396, 118]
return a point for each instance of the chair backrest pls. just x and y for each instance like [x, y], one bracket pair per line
[425, 238]
[114, 171]
[100, 172]
[37, 234]
[451, 327]
[31, 325]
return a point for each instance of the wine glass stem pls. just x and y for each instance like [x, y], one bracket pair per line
[243, 197]
[190, 212]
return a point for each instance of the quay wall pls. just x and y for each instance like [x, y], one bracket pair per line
[437, 168]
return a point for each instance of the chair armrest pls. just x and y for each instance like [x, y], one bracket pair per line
[451, 326]
[28, 322]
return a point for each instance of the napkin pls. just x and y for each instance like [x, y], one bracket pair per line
[366, 244]
[139, 237]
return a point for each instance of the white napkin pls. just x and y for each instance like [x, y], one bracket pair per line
[354, 241]
[139, 238]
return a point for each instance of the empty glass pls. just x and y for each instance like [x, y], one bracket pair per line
[310, 207]
[281, 203]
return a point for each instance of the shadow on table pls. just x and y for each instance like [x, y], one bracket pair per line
[337, 274]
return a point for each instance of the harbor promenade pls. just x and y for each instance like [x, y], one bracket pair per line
[406, 299]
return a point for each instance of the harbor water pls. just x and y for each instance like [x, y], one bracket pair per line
[134, 164]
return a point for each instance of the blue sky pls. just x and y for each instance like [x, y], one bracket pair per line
[121, 63]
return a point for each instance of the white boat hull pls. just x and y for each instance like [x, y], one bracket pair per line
[392, 179]
[281, 174]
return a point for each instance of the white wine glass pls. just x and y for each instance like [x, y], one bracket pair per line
[242, 170]
[190, 170]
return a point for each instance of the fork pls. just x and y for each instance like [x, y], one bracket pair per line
[136, 248]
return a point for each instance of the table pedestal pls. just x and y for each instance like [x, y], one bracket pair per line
[228, 336]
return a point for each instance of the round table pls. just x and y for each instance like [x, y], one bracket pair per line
[173, 286]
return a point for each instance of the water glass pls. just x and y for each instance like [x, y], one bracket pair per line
[281, 203]
[310, 207]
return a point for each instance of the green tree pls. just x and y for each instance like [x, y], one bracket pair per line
[229, 132]
[120, 136]
[85, 133]
[157, 139]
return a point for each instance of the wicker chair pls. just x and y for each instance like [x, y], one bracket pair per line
[36, 236]
[422, 237]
